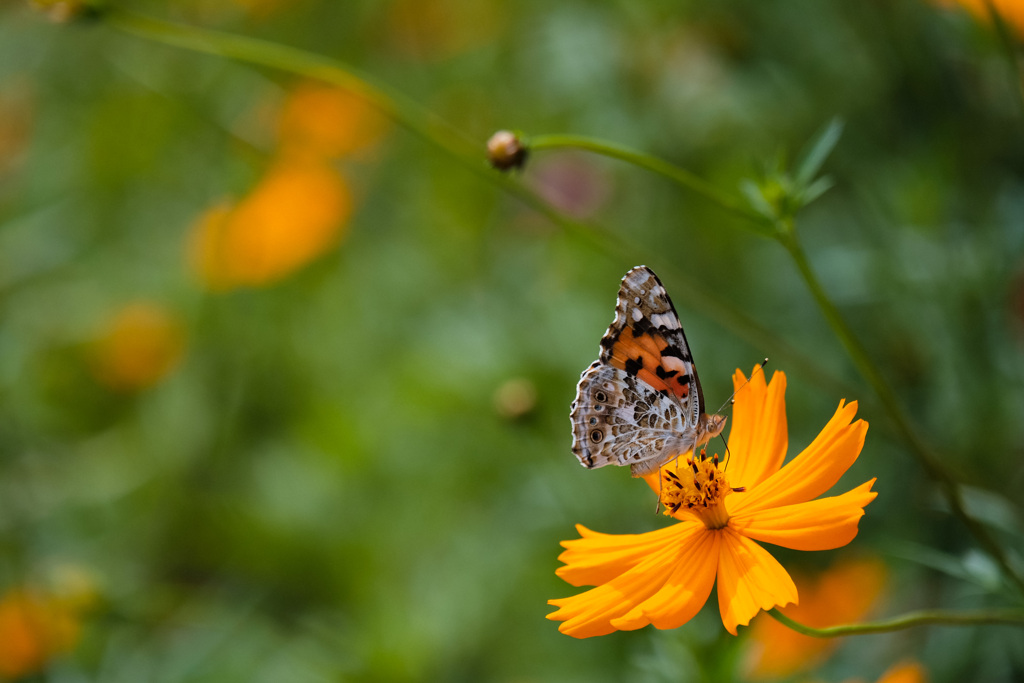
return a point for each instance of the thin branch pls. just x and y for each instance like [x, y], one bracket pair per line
[683, 177]
[910, 620]
[928, 459]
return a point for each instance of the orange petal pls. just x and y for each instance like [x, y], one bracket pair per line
[591, 613]
[821, 524]
[814, 471]
[759, 435]
[597, 558]
[749, 580]
[685, 592]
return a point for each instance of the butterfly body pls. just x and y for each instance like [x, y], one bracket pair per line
[640, 404]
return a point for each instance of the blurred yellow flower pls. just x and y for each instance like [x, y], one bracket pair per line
[33, 629]
[843, 594]
[295, 213]
[324, 121]
[140, 346]
[664, 577]
[1012, 11]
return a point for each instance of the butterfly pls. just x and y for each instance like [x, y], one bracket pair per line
[640, 404]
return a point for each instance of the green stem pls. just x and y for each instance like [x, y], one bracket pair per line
[911, 620]
[394, 105]
[254, 51]
[783, 230]
[680, 175]
[468, 152]
[928, 459]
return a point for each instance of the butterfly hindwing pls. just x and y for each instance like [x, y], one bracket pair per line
[620, 420]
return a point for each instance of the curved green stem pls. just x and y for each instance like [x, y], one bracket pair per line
[254, 51]
[687, 179]
[394, 105]
[931, 463]
[449, 139]
[910, 620]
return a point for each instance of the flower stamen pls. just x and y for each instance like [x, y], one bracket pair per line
[699, 487]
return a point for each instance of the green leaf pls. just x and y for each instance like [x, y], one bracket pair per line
[815, 190]
[755, 196]
[817, 152]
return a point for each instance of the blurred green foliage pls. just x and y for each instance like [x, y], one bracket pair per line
[362, 471]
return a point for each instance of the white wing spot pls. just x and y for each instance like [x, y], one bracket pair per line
[672, 363]
[636, 300]
[637, 315]
[666, 320]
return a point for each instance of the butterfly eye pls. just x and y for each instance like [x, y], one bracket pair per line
[601, 397]
[596, 436]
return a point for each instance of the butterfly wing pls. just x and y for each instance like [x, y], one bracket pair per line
[620, 420]
[644, 358]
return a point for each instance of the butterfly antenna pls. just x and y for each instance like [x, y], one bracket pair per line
[725, 463]
[760, 366]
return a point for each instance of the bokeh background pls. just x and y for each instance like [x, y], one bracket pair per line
[284, 388]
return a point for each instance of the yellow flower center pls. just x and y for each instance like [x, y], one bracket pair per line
[699, 487]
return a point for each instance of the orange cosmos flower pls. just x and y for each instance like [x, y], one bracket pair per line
[1011, 11]
[33, 629]
[325, 121]
[297, 212]
[843, 594]
[664, 577]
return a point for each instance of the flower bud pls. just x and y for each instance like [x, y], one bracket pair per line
[505, 151]
[64, 11]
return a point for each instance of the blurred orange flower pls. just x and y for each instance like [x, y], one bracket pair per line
[319, 120]
[140, 346]
[905, 672]
[843, 594]
[1012, 11]
[296, 213]
[34, 628]
[664, 577]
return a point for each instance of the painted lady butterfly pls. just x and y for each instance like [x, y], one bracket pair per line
[640, 404]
